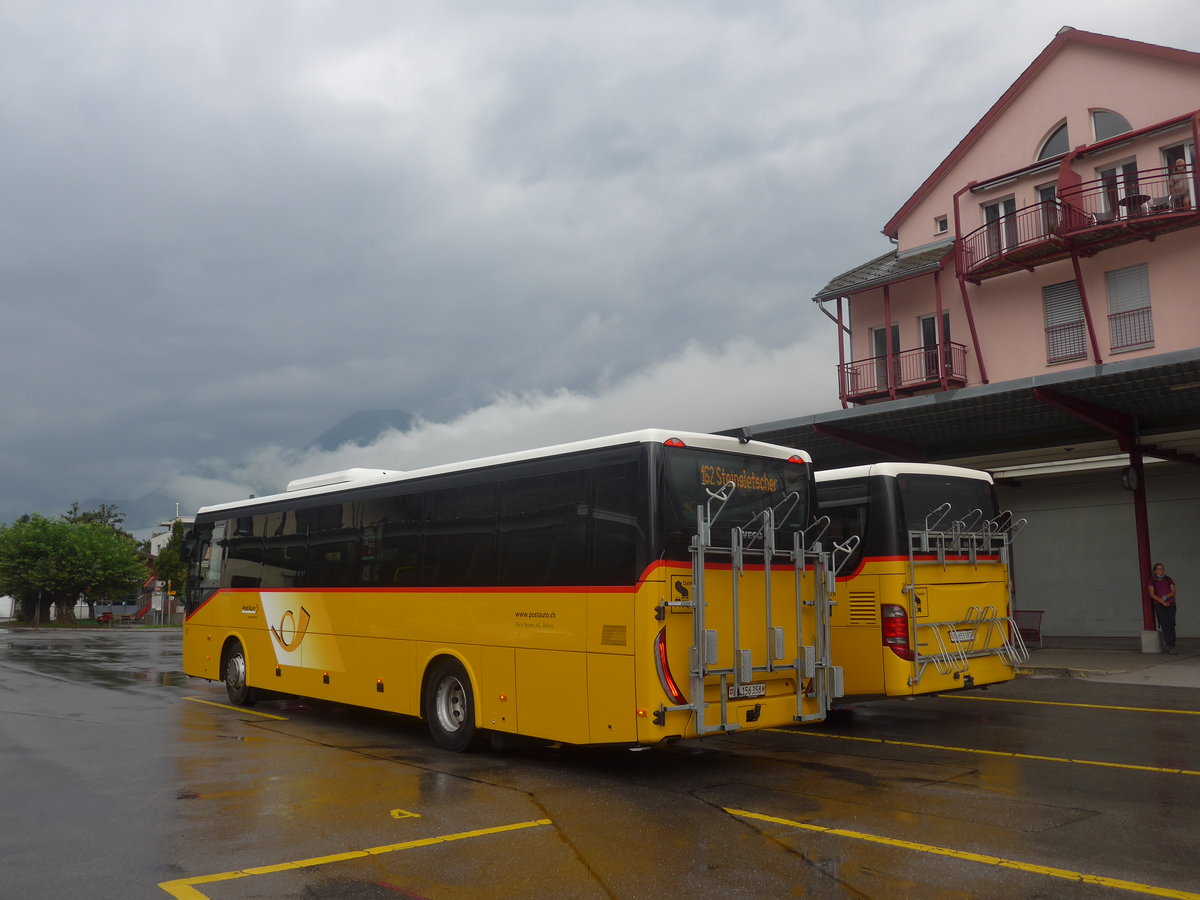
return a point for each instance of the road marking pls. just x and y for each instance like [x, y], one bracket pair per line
[1171, 712]
[183, 889]
[240, 709]
[1005, 753]
[1067, 874]
[404, 814]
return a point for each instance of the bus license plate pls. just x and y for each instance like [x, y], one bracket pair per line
[962, 637]
[737, 692]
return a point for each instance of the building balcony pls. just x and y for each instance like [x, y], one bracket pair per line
[910, 372]
[1091, 217]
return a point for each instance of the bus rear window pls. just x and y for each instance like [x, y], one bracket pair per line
[759, 483]
[972, 501]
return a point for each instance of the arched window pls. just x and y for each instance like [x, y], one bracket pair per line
[1106, 124]
[1056, 144]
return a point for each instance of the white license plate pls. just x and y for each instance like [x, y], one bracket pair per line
[758, 689]
[962, 637]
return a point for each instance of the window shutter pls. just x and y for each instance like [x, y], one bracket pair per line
[1062, 302]
[1128, 289]
[1065, 334]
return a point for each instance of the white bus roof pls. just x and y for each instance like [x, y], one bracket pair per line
[893, 469]
[335, 481]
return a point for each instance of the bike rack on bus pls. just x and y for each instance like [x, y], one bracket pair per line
[809, 661]
[965, 540]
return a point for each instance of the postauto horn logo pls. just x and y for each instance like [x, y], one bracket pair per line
[292, 629]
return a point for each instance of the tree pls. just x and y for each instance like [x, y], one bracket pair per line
[43, 561]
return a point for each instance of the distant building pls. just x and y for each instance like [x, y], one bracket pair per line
[160, 537]
[1039, 317]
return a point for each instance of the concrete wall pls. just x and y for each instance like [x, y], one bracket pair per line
[1077, 558]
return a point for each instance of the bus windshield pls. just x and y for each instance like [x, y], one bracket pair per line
[759, 483]
[972, 501]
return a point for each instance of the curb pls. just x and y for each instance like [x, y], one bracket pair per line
[1066, 671]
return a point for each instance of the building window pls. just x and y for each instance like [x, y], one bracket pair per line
[941, 224]
[1001, 221]
[1130, 326]
[879, 346]
[1066, 329]
[1120, 193]
[1048, 198]
[930, 342]
[1106, 124]
[1057, 144]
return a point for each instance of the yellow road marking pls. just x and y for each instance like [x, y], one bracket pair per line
[1005, 753]
[404, 814]
[1171, 712]
[1080, 877]
[240, 709]
[183, 889]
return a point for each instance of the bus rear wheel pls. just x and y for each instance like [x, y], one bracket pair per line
[240, 693]
[450, 707]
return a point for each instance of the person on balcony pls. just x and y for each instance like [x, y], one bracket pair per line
[1178, 186]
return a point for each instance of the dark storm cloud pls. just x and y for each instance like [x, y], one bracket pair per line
[225, 226]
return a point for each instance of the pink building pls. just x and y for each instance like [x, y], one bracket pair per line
[1058, 233]
[1039, 317]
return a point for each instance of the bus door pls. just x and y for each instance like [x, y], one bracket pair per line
[959, 588]
[759, 624]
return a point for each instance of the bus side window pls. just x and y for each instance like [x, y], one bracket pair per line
[333, 546]
[619, 533]
[285, 552]
[848, 507]
[391, 554]
[460, 537]
[543, 537]
[243, 551]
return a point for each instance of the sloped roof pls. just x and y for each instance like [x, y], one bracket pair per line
[1065, 35]
[886, 269]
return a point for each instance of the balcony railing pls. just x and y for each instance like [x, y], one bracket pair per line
[911, 371]
[1066, 341]
[1105, 212]
[1132, 328]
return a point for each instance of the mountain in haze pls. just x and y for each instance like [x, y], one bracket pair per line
[362, 428]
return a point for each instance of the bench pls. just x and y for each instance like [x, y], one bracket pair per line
[1029, 624]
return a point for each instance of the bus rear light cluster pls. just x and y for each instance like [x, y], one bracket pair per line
[895, 630]
[664, 669]
[673, 442]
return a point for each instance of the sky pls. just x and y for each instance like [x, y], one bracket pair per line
[225, 226]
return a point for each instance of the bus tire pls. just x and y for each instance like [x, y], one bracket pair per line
[450, 707]
[234, 674]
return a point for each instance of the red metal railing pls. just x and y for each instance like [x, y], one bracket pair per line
[1066, 341]
[909, 369]
[1135, 202]
[1028, 225]
[1128, 196]
[1132, 328]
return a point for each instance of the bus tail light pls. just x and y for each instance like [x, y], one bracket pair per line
[673, 442]
[895, 630]
[796, 459]
[664, 669]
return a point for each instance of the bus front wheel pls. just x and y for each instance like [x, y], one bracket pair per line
[450, 707]
[240, 693]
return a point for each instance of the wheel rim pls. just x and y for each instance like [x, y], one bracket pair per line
[450, 704]
[235, 672]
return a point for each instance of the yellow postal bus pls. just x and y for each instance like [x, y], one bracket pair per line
[625, 590]
[924, 599]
